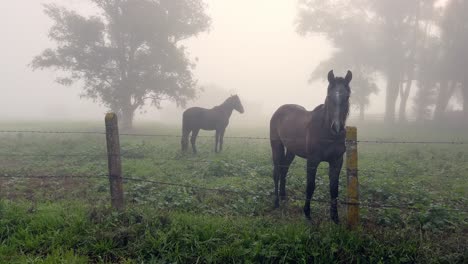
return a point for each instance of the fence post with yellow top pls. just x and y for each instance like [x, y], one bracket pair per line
[352, 178]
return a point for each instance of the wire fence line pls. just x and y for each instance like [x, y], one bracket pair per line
[401, 206]
[55, 155]
[51, 132]
[443, 142]
[368, 170]
[393, 171]
[101, 176]
[407, 206]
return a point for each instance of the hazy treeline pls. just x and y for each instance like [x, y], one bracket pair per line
[130, 53]
[415, 45]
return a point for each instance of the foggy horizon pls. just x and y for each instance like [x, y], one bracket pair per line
[252, 49]
[259, 56]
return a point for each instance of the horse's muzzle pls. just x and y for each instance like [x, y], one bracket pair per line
[337, 128]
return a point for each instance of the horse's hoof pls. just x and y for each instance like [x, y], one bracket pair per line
[306, 212]
[336, 220]
[334, 217]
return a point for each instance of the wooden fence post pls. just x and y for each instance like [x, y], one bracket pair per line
[114, 162]
[352, 176]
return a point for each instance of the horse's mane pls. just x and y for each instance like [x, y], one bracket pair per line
[225, 102]
[228, 100]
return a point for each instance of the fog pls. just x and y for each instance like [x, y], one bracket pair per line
[252, 49]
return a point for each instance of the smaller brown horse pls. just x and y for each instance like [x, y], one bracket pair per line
[317, 136]
[216, 118]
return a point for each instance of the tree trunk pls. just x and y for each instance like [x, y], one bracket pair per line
[464, 89]
[127, 120]
[410, 64]
[125, 115]
[391, 97]
[422, 100]
[361, 112]
[446, 90]
[404, 94]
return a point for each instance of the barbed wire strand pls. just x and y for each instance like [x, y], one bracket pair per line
[50, 132]
[270, 166]
[453, 142]
[102, 176]
[407, 206]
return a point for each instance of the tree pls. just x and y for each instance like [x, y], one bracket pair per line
[351, 35]
[127, 54]
[454, 27]
[428, 78]
[380, 35]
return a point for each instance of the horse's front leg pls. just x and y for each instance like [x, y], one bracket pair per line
[334, 175]
[221, 139]
[311, 171]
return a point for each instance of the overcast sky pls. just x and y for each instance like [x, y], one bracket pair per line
[252, 48]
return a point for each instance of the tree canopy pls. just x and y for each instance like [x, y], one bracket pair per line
[127, 54]
[384, 36]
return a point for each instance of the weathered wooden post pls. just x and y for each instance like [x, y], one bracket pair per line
[352, 175]
[114, 162]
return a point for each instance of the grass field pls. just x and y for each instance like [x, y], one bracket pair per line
[50, 220]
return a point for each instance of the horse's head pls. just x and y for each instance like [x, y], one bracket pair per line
[236, 103]
[337, 103]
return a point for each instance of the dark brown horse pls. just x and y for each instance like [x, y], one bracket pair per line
[217, 118]
[317, 136]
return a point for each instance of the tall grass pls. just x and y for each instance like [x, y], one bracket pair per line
[73, 233]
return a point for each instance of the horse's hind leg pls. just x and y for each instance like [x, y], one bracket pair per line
[277, 150]
[216, 140]
[185, 140]
[193, 140]
[288, 159]
[334, 174]
[311, 171]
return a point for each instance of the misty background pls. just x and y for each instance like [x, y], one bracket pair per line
[254, 48]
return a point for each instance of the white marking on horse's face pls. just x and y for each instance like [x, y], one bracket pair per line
[339, 97]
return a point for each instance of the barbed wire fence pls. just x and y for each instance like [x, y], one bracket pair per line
[117, 179]
[452, 142]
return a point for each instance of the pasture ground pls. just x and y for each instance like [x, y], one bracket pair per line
[67, 219]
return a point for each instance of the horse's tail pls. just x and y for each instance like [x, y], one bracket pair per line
[185, 134]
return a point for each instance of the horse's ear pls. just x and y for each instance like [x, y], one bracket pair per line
[349, 77]
[331, 77]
